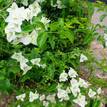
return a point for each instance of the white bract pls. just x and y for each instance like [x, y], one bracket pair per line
[16, 14]
[34, 36]
[25, 39]
[25, 68]
[83, 83]
[63, 77]
[99, 91]
[83, 58]
[45, 20]
[45, 103]
[19, 57]
[33, 96]
[74, 87]
[81, 100]
[42, 97]
[91, 93]
[62, 94]
[36, 61]
[72, 73]
[35, 8]
[51, 98]
[18, 106]
[23, 62]
[21, 97]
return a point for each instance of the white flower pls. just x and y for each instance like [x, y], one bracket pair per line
[81, 101]
[105, 36]
[83, 83]
[72, 73]
[63, 77]
[21, 97]
[13, 28]
[35, 8]
[11, 36]
[51, 98]
[25, 40]
[36, 61]
[45, 103]
[45, 20]
[83, 58]
[91, 93]
[62, 95]
[13, 7]
[74, 87]
[99, 91]
[25, 68]
[43, 65]
[18, 106]
[16, 16]
[34, 36]
[19, 57]
[42, 97]
[33, 96]
[29, 14]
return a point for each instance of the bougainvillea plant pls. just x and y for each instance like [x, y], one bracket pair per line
[47, 41]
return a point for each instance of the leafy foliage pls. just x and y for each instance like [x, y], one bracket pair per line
[60, 45]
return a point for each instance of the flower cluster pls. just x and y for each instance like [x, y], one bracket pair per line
[17, 15]
[36, 96]
[63, 94]
[15, 19]
[75, 86]
[23, 62]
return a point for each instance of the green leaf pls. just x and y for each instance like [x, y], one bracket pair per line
[5, 85]
[67, 34]
[102, 17]
[42, 39]
[25, 2]
[27, 27]
[95, 103]
[88, 37]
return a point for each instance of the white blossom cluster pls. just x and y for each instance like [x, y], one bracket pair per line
[14, 34]
[83, 58]
[23, 62]
[17, 15]
[36, 96]
[74, 88]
